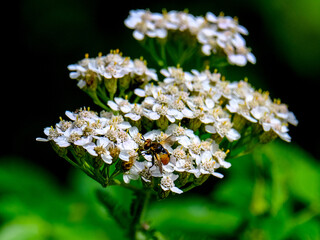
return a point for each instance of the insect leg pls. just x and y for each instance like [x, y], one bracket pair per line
[159, 162]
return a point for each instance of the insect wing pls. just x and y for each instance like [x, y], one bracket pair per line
[169, 141]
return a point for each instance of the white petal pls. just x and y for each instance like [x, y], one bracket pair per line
[130, 144]
[133, 131]
[152, 134]
[237, 59]
[184, 141]
[90, 148]
[126, 178]
[126, 108]
[124, 155]
[153, 115]
[165, 72]
[124, 125]
[210, 103]
[210, 129]
[207, 119]
[83, 141]
[113, 105]
[233, 135]
[161, 33]
[218, 175]
[106, 158]
[211, 17]
[81, 84]
[259, 112]
[133, 116]
[140, 92]
[176, 190]
[251, 58]
[71, 115]
[171, 119]
[225, 164]
[206, 49]
[138, 35]
[42, 139]
[47, 131]
[187, 113]
[173, 112]
[149, 100]
[164, 188]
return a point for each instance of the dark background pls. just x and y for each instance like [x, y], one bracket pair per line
[42, 37]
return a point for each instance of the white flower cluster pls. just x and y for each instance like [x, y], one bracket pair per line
[215, 33]
[207, 99]
[172, 133]
[185, 105]
[189, 155]
[110, 138]
[112, 66]
[103, 136]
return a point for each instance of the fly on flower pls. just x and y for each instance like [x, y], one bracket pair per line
[157, 150]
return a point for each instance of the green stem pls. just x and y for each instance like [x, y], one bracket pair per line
[152, 49]
[71, 162]
[144, 207]
[186, 55]
[102, 93]
[191, 186]
[140, 204]
[97, 101]
[163, 53]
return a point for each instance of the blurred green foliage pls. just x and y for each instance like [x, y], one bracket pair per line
[295, 28]
[272, 193]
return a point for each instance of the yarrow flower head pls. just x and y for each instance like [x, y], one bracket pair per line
[107, 75]
[202, 124]
[215, 34]
[173, 128]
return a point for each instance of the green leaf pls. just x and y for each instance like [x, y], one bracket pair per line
[192, 215]
[298, 168]
[33, 206]
[115, 208]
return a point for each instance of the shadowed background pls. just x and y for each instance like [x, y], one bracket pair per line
[40, 195]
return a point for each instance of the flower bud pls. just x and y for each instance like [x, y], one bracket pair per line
[266, 137]
[111, 86]
[124, 83]
[62, 152]
[199, 181]
[162, 122]
[163, 194]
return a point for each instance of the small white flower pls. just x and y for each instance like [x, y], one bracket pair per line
[208, 165]
[238, 106]
[224, 128]
[136, 112]
[120, 104]
[100, 149]
[167, 183]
